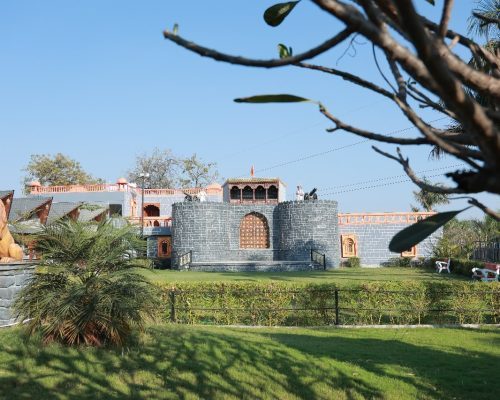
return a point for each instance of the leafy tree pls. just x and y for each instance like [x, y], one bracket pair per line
[162, 167]
[432, 76]
[427, 200]
[89, 293]
[196, 173]
[169, 171]
[58, 169]
[460, 237]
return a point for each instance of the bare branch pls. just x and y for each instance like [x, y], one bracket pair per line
[367, 134]
[272, 63]
[481, 206]
[348, 77]
[473, 117]
[399, 78]
[445, 18]
[486, 18]
[415, 179]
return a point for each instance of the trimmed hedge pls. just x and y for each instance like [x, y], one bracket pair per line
[352, 262]
[287, 304]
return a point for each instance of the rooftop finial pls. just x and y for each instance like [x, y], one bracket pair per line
[252, 171]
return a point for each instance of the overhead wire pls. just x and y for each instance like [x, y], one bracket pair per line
[321, 153]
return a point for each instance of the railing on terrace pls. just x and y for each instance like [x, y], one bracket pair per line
[322, 307]
[153, 222]
[382, 218]
[104, 187]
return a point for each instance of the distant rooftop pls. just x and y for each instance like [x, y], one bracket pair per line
[254, 180]
[60, 210]
[23, 208]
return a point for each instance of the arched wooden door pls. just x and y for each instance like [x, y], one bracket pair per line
[254, 232]
[164, 246]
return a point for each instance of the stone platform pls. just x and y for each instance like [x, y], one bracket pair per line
[255, 266]
[13, 277]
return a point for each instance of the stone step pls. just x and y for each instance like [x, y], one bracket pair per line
[254, 266]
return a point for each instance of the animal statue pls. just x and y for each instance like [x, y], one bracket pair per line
[9, 251]
[311, 195]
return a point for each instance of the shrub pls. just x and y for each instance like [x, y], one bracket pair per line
[88, 293]
[398, 262]
[287, 304]
[353, 262]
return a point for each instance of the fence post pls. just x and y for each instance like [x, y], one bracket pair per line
[324, 262]
[337, 307]
[172, 306]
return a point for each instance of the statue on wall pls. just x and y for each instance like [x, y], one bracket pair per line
[311, 195]
[9, 251]
[299, 194]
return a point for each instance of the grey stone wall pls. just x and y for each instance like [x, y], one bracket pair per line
[212, 231]
[13, 277]
[373, 241]
[306, 225]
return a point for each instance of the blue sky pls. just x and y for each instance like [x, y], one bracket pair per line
[96, 80]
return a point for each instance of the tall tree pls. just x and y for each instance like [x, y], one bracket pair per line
[57, 169]
[162, 167]
[167, 170]
[196, 173]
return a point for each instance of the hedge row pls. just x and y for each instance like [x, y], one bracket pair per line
[287, 304]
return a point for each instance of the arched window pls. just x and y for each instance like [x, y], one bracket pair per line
[254, 232]
[260, 193]
[156, 223]
[349, 246]
[272, 192]
[235, 193]
[247, 193]
[151, 210]
[164, 247]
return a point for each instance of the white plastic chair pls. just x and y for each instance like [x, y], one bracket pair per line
[443, 266]
[485, 274]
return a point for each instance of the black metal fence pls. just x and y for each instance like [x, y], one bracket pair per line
[319, 307]
[487, 251]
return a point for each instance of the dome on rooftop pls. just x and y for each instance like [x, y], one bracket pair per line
[121, 181]
[35, 184]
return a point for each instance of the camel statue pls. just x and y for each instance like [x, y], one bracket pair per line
[9, 251]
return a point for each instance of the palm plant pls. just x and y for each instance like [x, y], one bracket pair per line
[88, 292]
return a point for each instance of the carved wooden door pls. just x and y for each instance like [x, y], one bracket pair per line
[254, 232]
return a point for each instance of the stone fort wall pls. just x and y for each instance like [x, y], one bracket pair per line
[13, 277]
[212, 231]
[374, 233]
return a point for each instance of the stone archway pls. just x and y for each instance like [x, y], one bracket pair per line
[254, 232]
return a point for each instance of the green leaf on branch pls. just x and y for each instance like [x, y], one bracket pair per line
[414, 234]
[284, 51]
[176, 29]
[276, 14]
[273, 98]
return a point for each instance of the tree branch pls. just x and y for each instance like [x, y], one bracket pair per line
[249, 62]
[415, 179]
[367, 134]
[445, 18]
[474, 202]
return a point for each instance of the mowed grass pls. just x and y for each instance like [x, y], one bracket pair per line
[344, 276]
[189, 362]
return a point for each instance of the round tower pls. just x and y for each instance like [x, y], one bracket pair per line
[306, 226]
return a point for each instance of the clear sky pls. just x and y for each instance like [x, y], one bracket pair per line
[96, 80]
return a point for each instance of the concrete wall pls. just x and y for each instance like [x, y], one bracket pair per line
[212, 231]
[373, 241]
[13, 277]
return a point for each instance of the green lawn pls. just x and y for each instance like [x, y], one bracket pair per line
[340, 276]
[189, 362]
